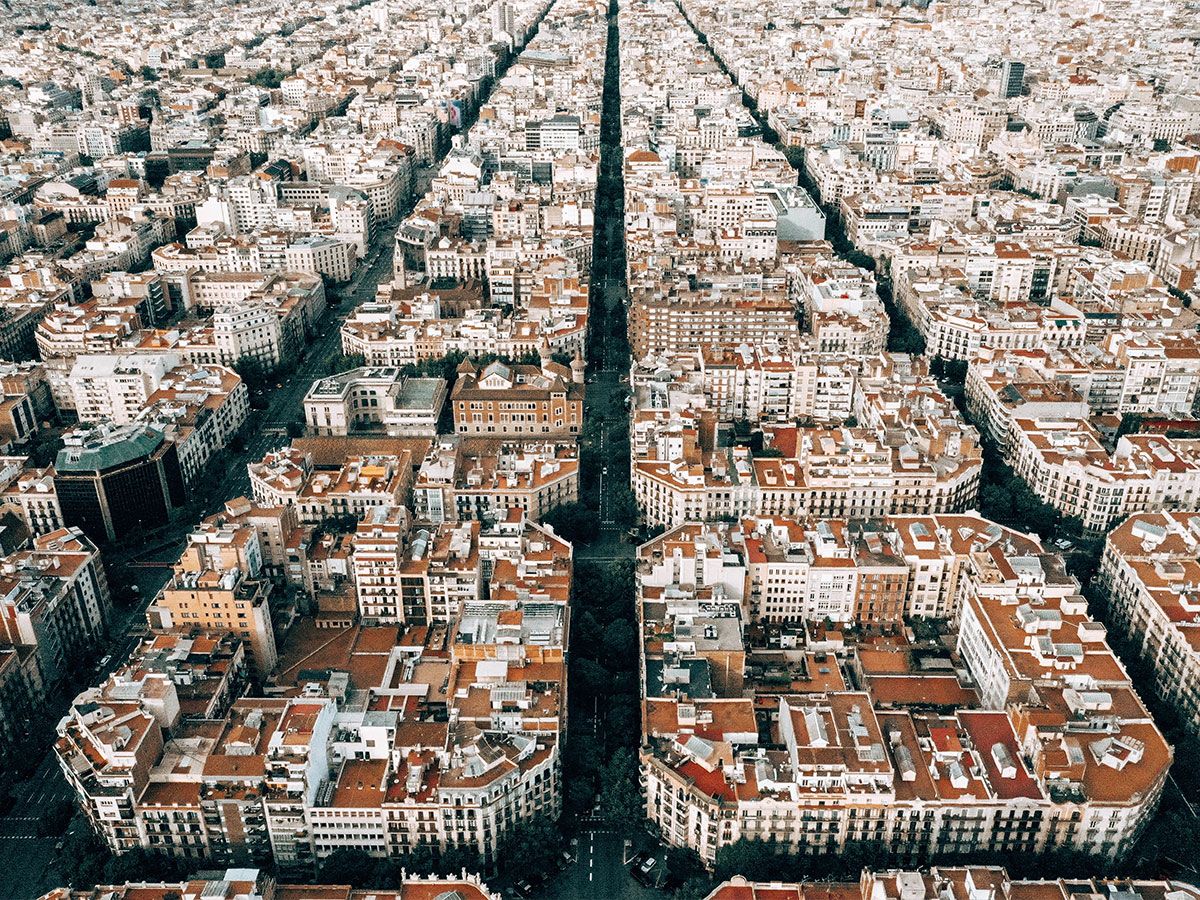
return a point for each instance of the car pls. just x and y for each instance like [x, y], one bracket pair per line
[523, 887]
[104, 662]
[646, 871]
[566, 858]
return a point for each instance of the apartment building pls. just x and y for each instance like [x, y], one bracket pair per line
[462, 479]
[957, 321]
[442, 733]
[679, 320]
[218, 585]
[32, 494]
[114, 389]
[26, 401]
[395, 334]
[1123, 374]
[379, 545]
[210, 250]
[915, 758]
[1065, 463]
[258, 884]
[831, 472]
[55, 605]
[442, 572]
[1149, 572]
[953, 883]
[355, 487]
[201, 408]
[69, 331]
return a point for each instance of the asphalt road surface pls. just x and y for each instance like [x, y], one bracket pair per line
[598, 872]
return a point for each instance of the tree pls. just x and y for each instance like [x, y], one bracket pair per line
[267, 78]
[82, 858]
[995, 502]
[1131, 423]
[141, 864]
[574, 522]
[956, 371]
[453, 860]
[753, 860]
[252, 371]
[861, 259]
[591, 678]
[620, 797]
[531, 848]
[1030, 512]
[55, 818]
[578, 796]
[619, 644]
[695, 888]
[623, 506]
[683, 865]
[347, 865]
[345, 362]
[623, 718]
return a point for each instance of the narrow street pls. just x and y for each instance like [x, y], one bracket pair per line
[607, 346]
[599, 868]
[599, 871]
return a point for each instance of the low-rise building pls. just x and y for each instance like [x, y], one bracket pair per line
[514, 401]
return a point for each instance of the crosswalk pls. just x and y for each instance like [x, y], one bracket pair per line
[19, 828]
[597, 824]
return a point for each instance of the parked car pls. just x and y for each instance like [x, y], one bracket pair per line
[645, 869]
